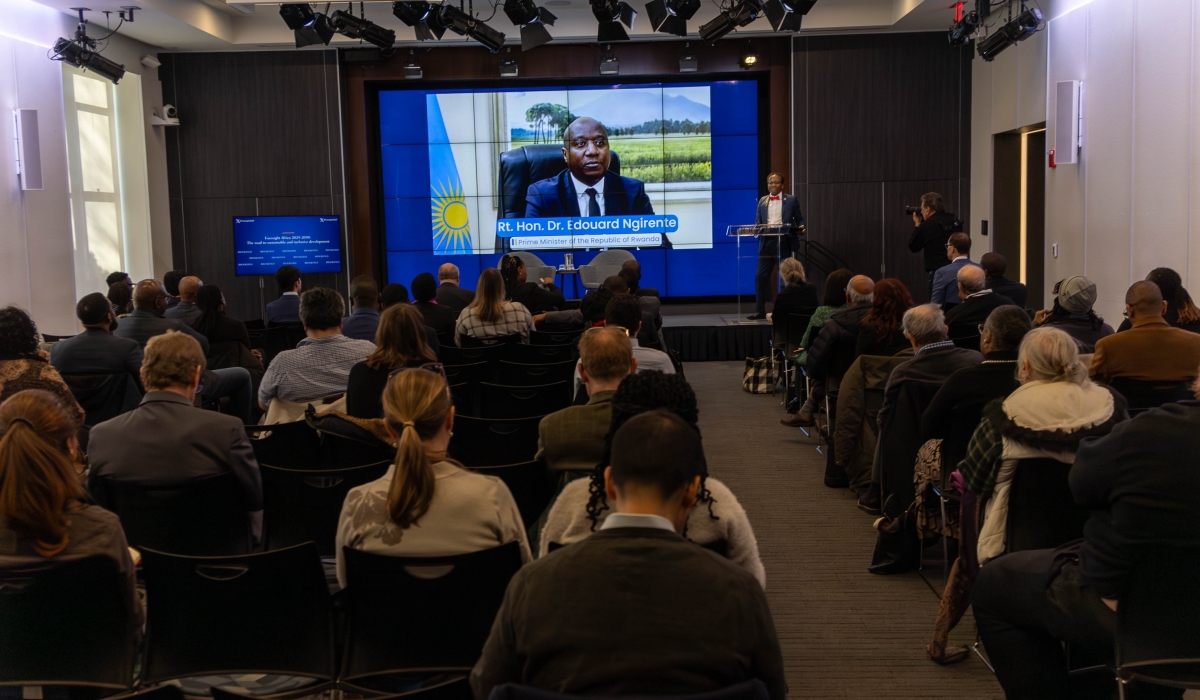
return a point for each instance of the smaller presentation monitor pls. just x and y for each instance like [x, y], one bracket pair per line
[263, 244]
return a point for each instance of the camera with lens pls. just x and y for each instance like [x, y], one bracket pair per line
[909, 211]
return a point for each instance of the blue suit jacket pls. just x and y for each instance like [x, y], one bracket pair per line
[556, 196]
[791, 216]
[945, 282]
[285, 309]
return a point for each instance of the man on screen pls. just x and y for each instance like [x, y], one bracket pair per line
[586, 188]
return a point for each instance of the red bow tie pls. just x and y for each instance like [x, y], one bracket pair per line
[772, 199]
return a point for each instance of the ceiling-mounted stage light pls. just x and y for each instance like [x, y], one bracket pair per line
[309, 27]
[508, 68]
[787, 15]
[739, 15]
[532, 20]
[611, 14]
[412, 69]
[961, 31]
[425, 18]
[688, 64]
[463, 24]
[347, 24]
[610, 66]
[81, 52]
[671, 16]
[1021, 28]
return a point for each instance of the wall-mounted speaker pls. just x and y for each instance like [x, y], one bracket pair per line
[29, 149]
[1066, 123]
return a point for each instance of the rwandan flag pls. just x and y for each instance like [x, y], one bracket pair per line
[451, 223]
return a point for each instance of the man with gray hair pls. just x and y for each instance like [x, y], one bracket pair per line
[978, 302]
[449, 292]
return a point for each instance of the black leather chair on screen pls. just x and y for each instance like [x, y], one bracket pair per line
[527, 164]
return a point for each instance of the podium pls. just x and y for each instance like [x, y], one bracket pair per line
[756, 231]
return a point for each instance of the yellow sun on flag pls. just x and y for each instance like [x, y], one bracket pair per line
[451, 223]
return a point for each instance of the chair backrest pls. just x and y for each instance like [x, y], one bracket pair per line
[1042, 513]
[67, 622]
[294, 445]
[480, 442]
[51, 339]
[967, 342]
[787, 330]
[1158, 618]
[470, 342]
[200, 517]
[531, 485]
[255, 324]
[470, 372]
[554, 337]
[900, 438]
[539, 354]
[104, 396]
[271, 341]
[259, 613]
[1146, 394]
[525, 165]
[421, 613]
[503, 401]
[523, 374]
[753, 689]
[606, 264]
[304, 505]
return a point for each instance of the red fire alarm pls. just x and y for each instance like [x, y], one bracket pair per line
[1052, 163]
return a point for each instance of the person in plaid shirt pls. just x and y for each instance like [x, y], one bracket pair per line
[490, 316]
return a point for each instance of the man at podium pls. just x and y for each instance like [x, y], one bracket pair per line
[776, 209]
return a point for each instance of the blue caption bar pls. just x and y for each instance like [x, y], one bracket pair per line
[588, 225]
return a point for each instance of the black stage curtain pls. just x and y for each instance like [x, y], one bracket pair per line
[702, 343]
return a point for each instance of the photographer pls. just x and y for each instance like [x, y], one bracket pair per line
[933, 226]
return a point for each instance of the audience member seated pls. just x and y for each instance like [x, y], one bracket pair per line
[119, 278]
[46, 513]
[881, 333]
[392, 294]
[833, 300]
[537, 297]
[449, 292]
[1181, 312]
[572, 440]
[1150, 350]
[634, 278]
[23, 366]
[832, 351]
[978, 302]
[1053, 409]
[797, 297]
[1143, 492]
[945, 280]
[427, 505]
[935, 359]
[717, 518]
[364, 318]
[319, 367]
[228, 339]
[490, 316]
[171, 284]
[185, 307]
[855, 430]
[440, 318]
[399, 342]
[120, 295]
[995, 265]
[96, 350]
[624, 311]
[649, 613]
[1072, 313]
[166, 440]
[286, 309]
[590, 312]
[651, 307]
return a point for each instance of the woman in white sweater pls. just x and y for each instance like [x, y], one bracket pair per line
[716, 518]
[426, 505]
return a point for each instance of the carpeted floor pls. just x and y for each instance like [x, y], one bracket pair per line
[845, 633]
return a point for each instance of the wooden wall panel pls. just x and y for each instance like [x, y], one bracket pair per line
[846, 217]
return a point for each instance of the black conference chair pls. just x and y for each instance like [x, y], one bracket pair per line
[554, 337]
[1042, 513]
[67, 623]
[521, 374]
[267, 613]
[469, 373]
[1157, 620]
[304, 505]
[1142, 394]
[753, 689]
[269, 340]
[295, 445]
[104, 396]
[202, 517]
[454, 688]
[539, 354]
[482, 442]
[787, 332]
[54, 338]
[465, 398]
[255, 324]
[966, 341]
[459, 357]
[420, 614]
[502, 401]
[531, 485]
[469, 342]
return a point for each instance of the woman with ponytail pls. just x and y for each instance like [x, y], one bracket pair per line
[43, 514]
[1048, 415]
[427, 505]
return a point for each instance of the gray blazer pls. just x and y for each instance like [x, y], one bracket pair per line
[167, 440]
[143, 325]
[95, 351]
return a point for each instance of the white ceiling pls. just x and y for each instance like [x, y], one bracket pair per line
[214, 25]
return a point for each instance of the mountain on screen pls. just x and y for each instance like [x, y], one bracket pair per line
[636, 107]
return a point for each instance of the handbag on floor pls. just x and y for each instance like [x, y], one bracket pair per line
[758, 378]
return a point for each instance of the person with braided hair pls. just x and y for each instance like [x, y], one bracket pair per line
[457, 511]
[1181, 310]
[43, 510]
[538, 297]
[717, 518]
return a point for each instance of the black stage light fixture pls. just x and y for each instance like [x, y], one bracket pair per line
[671, 16]
[688, 64]
[961, 31]
[296, 15]
[787, 15]
[81, 52]
[464, 24]
[532, 20]
[611, 14]
[347, 24]
[412, 69]
[309, 27]
[423, 17]
[1019, 29]
[738, 15]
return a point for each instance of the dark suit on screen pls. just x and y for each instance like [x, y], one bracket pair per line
[556, 196]
[772, 249]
